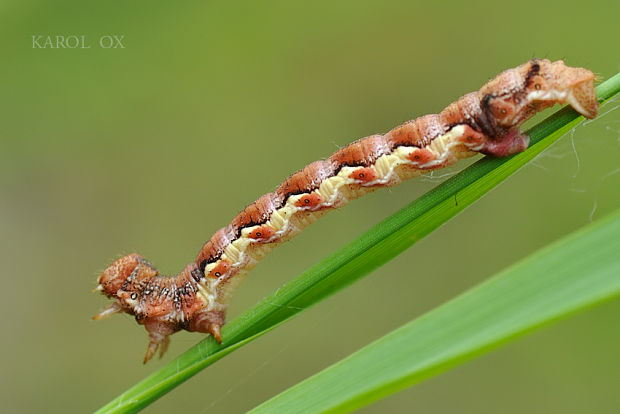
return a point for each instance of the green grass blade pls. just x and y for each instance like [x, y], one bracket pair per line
[579, 271]
[360, 257]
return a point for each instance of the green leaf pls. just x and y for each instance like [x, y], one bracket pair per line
[579, 271]
[360, 257]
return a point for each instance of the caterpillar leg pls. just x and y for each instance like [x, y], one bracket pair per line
[513, 142]
[163, 346]
[208, 322]
[159, 337]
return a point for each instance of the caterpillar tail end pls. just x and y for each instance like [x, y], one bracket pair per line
[563, 84]
[581, 93]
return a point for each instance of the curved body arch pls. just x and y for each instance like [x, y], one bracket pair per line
[486, 121]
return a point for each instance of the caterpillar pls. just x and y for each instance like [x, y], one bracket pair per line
[486, 121]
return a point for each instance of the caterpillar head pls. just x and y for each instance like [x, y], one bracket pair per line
[517, 94]
[124, 279]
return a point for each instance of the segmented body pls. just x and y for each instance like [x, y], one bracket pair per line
[485, 121]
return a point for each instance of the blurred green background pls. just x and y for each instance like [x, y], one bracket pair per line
[153, 147]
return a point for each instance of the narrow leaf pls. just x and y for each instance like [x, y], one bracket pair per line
[576, 272]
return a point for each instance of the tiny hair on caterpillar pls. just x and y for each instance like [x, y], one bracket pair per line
[486, 121]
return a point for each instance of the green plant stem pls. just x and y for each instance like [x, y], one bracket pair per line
[371, 250]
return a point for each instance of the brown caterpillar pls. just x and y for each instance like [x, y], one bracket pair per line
[486, 121]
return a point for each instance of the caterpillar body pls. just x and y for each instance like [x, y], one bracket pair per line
[486, 121]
